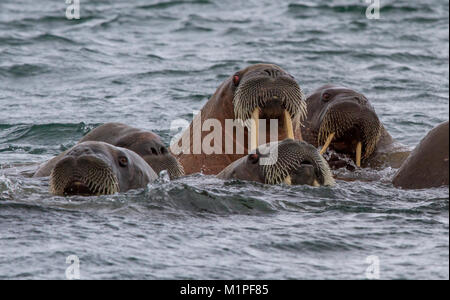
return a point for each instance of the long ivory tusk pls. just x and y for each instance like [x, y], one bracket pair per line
[327, 143]
[288, 180]
[316, 183]
[358, 154]
[288, 125]
[254, 132]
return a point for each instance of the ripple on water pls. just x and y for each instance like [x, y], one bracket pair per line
[146, 64]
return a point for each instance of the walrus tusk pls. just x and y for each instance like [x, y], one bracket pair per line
[254, 132]
[316, 183]
[288, 125]
[358, 154]
[288, 180]
[327, 143]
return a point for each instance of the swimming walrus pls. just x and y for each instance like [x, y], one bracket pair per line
[259, 92]
[145, 143]
[427, 166]
[291, 162]
[343, 120]
[98, 168]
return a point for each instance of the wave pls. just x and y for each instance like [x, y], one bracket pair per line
[24, 70]
[42, 133]
[45, 37]
[360, 8]
[48, 21]
[189, 26]
[170, 4]
[203, 196]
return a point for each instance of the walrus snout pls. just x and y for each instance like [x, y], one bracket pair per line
[82, 172]
[268, 92]
[302, 163]
[87, 169]
[291, 162]
[305, 174]
[258, 87]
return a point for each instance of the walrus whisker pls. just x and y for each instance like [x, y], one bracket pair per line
[98, 180]
[340, 122]
[253, 93]
[288, 160]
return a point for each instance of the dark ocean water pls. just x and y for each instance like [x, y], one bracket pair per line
[146, 63]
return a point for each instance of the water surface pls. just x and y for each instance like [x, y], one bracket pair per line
[146, 63]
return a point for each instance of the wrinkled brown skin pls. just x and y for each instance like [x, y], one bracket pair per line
[220, 107]
[388, 153]
[146, 144]
[428, 164]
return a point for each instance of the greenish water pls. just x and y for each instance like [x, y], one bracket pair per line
[146, 63]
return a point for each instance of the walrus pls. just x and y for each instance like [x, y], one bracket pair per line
[427, 166]
[290, 162]
[98, 168]
[145, 143]
[343, 120]
[253, 100]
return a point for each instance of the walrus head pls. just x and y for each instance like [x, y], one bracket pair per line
[267, 92]
[291, 162]
[98, 168]
[150, 147]
[251, 100]
[343, 120]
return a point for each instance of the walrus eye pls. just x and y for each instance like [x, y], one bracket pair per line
[236, 79]
[326, 97]
[123, 161]
[253, 158]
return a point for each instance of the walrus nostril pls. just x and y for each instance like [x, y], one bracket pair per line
[81, 151]
[272, 73]
[164, 150]
[360, 100]
[306, 162]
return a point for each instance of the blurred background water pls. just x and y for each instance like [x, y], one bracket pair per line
[146, 63]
